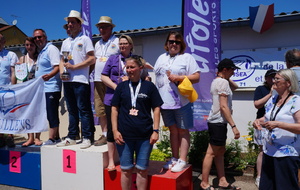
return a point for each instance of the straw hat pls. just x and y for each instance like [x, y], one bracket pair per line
[105, 20]
[75, 14]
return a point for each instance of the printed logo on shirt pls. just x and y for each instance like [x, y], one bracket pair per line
[79, 47]
[142, 95]
[113, 46]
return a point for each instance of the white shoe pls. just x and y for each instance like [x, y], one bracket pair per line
[85, 143]
[257, 180]
[179, 166]
[66, 142]
[170, 163]
[49, 142]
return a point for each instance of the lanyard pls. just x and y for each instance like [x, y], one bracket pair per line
[272, 113]
[106, 45]
[134, 95]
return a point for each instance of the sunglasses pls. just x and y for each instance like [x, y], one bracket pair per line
[103, 27]
[37, 37]
[174, 41]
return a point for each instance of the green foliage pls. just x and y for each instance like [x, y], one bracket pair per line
[199, 143]
[157, 155]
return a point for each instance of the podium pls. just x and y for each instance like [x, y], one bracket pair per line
[157, 178]
[21, 167]
[72, 168]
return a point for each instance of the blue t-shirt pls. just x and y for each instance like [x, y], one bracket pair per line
[8, 59]
[136, 127]
[260, 92]
[47, 59]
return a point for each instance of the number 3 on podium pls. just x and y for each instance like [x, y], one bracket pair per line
[69, 161]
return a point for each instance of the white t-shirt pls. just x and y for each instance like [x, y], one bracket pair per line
[103, 50]
[79, 47]
[183, 64]
[280, 142]
[219, 86]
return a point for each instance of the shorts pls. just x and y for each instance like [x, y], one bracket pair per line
[52, 104]
[142, 150]
[99, 94]
[182, 117]
[217, 133]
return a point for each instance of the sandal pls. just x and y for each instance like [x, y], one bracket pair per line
[111, 168]
[229, 187]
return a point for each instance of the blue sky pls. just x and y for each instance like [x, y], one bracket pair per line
[126, 14]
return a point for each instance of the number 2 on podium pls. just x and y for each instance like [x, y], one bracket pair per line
[15, 161]
[69, 161]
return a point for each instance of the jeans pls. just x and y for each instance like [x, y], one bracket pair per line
[78, 101]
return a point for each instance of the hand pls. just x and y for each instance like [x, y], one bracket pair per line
[271, 124]
[236, 133]
[257, 125]
[69, 66]
[118, 138]
[46, 77]
[154, 137]
[124, 78]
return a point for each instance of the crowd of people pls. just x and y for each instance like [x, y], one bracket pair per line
[129, 105]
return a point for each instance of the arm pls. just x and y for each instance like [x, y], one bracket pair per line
[114, 121]
[54, 71]
[233, 85]
[156, 117]
[194, 78]
[108, 82]
[262, 101]
[226, 112]
[13, 78]
[291, 127]
[89, 61]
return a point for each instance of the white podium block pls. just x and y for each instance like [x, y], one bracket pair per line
[70, 167]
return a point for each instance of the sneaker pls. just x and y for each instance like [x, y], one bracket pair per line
[85, 143]
[66, 142]
[170, 163]
[57, 140]
[10, 142]
[101, 141]
[179, 166]
[2, 142]
[257, 180]
[49, 142]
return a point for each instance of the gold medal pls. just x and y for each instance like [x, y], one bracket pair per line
[103, 59]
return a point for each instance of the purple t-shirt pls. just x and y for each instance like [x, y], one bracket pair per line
[114, 71]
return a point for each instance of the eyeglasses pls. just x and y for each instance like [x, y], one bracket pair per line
[103, 27]
[174, 41]
[123, 44]
[277, 79]
[37, 37]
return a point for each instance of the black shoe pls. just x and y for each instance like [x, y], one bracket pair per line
[10, 142]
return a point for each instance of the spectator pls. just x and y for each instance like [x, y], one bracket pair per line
[280, 128]
[220, 115]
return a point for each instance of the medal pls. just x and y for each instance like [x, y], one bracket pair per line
[103, 59]
[133, 111]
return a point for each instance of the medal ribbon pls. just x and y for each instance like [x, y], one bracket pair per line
[134, 95]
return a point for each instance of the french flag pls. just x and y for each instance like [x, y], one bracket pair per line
[261, 17]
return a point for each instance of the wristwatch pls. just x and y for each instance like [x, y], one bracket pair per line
[156, 130]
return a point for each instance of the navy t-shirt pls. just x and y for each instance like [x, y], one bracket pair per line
[140, 126]
[260, 92]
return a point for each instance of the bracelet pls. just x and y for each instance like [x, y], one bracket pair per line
[156, 130]
[233, 126]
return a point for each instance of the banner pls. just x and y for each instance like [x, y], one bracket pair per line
[86, 16]
[201, 30]
[261, 17]
[23, 107]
